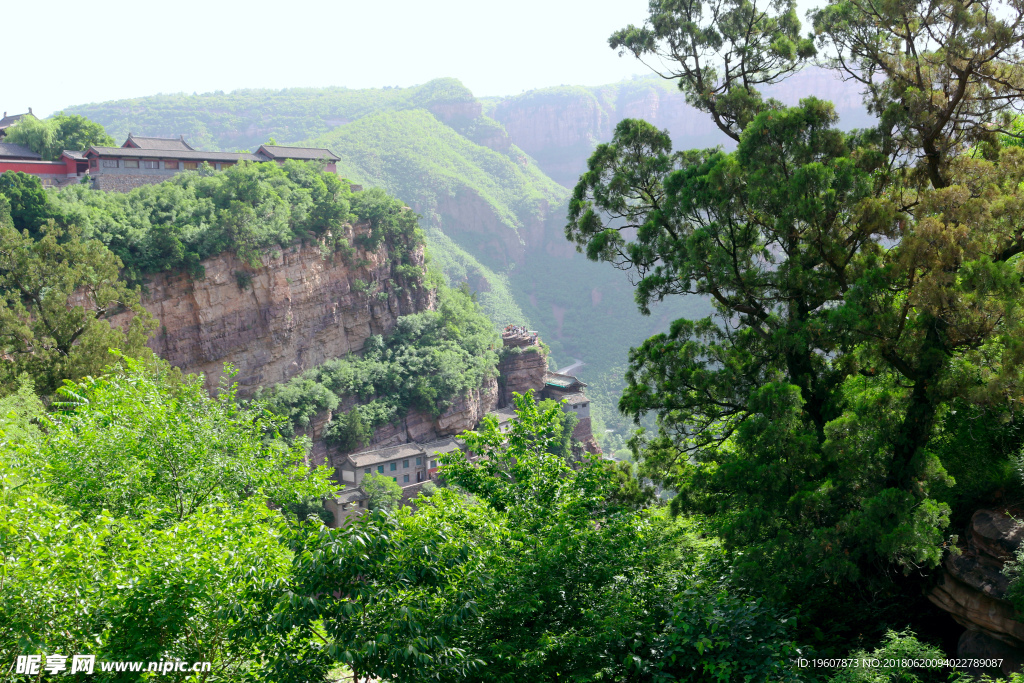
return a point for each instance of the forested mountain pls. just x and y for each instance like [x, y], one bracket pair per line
[490, 179]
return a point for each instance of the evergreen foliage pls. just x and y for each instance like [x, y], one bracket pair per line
[58, 297]
[866, 285]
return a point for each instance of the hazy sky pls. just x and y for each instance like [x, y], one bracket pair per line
[74, 52]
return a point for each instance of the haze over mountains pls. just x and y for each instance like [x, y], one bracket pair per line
[491, 178]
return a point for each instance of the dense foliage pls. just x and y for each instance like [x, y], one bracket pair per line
[534, 576]
[134, 525]
[428, 360]
[50, 137]
[58, 298]
[382, 492]
[866, 285]
[248, 207]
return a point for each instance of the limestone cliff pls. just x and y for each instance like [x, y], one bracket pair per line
[297, 310]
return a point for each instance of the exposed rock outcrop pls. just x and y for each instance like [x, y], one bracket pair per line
[521, 372]
[971, 586]
[559, 127]
[417, 426]
[296, 311]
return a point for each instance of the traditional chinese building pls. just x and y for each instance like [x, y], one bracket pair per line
[145, 160]
[8, 121]
[141, 161]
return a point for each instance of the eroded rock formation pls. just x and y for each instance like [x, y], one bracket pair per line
[520, 372]
[417, 426]
[298, 310]
[971, 586]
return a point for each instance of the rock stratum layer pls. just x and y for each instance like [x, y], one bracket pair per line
[299, 309]
[971, 586]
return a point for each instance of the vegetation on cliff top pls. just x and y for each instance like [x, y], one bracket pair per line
[430, 359]
[79, 240]
[247, 208]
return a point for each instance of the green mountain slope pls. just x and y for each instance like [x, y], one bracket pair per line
[245, 119]
[484, 199]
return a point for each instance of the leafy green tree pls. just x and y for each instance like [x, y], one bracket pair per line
[567, 424]
[117, 444]
[350, 431]
[529, 572]
[58, 298]
[895, 649]
[30, 207]
[587, 586]
[382, 491]
[20, 412]
[50, 137]
[862, 283]
[136, 526]
[721, 52]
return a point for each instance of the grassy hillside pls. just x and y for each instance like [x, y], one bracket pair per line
[493, 291]
[425, 162]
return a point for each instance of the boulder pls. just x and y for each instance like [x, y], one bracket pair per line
[971, 586]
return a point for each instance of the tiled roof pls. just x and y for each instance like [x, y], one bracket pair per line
[9, 150]
[300, 153]
[435, 448]
[8, 121]
[381, 455]
[574, 399]
[174, 154]
[74, 154]
[350, 495]
[562, 381]
[503, 415]
[171, 144]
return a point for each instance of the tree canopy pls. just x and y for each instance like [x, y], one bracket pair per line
[526, 567]
[863, 282]
[134, 524]
[59, 296]
[50, 137]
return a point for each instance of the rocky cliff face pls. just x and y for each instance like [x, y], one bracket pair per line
[520, 372]
[560, 127]
[417, 426]
[294, 312]
[971, 586]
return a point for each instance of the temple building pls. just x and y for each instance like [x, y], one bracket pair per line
[142, 161]
[8, 121]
